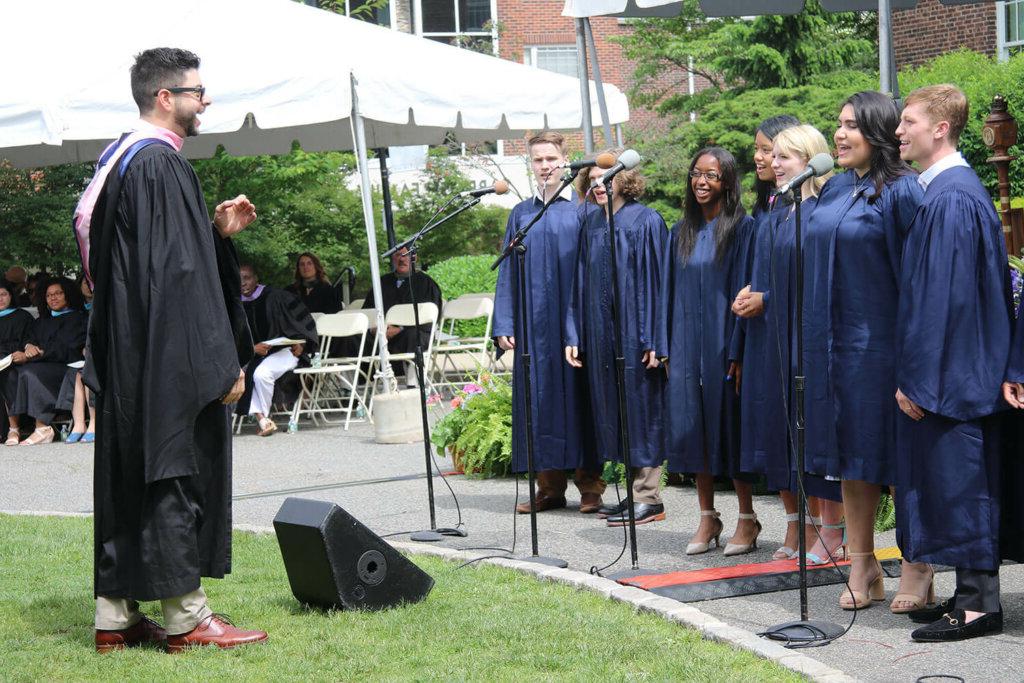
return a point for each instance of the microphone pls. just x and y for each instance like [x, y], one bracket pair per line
[604, 160]
[819, 165]
[629, 159]
[499, 187]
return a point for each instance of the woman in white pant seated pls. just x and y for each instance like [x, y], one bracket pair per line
[274, 315]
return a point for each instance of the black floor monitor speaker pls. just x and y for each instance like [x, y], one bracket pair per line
[335, 562]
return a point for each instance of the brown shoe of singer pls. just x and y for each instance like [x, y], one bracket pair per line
[145, 632]
[543, 503]
[215, 629]
[590, 503]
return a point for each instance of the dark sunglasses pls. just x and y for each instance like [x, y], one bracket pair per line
[197, 89]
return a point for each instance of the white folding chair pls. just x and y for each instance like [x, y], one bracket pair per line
[354, 305]
[334, 387]
[402, 315]
[457, 356]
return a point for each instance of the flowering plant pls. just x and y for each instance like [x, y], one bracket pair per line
[478, 430]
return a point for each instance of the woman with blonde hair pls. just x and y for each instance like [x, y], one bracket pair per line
[641, 245]
[769, 305]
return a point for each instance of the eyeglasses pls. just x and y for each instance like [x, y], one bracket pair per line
[197, 89]
[710, 175]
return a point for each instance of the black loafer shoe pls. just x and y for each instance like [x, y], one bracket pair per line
[643, 513]
[927, 615]
[611, 509]
[952, 627]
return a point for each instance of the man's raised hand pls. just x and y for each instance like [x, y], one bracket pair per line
[232, 216]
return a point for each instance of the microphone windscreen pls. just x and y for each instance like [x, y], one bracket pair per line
[822, 163]
[629, 159]
[500, 187]
[605, 160]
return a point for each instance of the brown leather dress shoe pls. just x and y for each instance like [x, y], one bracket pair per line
[145, 632]
[543, 503]
[217, 630]
[590, 503]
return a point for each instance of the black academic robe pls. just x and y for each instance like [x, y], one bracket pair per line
[167, 337]
[953, 340]
[395, 290]
[32, 388]
[276, 313]
[14, 329]
[321, 298]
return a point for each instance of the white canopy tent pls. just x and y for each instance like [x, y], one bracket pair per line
[277, 71]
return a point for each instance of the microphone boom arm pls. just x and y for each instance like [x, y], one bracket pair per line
[430, 226]
[520, 234]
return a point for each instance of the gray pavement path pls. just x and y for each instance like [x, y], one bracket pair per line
[383, 486]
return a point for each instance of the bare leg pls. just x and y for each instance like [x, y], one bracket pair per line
[706, 498]
[746, 529]
[831, 532]
[915, 581]
[860, 500]
[78, 407]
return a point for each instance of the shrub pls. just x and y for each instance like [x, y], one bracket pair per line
[466, 275]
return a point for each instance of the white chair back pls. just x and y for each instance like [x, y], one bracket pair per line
[344, 324]
[468, 307]
[403, 315]
[354, 305]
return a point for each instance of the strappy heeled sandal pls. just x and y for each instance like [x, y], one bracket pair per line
[267, 426]
[785, 552]
[13, 437]
[701, 548]
[852, 599]
[39, 436]
[839, 553]
[744, 548]
[916, 601]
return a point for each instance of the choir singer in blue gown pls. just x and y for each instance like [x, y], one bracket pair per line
[852, 252]
[955, 324]
[558, 392]
[709, 265]
[641, 243]
[767, 401]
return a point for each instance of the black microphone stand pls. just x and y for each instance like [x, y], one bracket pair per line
[518, 247]
[805, 630]
[620, 385]
[434, 533]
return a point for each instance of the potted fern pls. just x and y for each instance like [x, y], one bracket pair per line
[478, 432]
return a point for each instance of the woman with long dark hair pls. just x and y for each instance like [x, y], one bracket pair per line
[852, 252]
[55, 339]
[710, 263]
[313, 286]
[764, 144]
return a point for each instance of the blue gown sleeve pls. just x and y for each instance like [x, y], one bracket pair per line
[1015, 365]
[900, 202]
[663, 314]
[574, 312]
[504, 296]
[954, 315]
[740, 277]
[653, 263]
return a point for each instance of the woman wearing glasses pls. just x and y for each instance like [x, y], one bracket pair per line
[852, 254]
[709, 264]
[56, 339]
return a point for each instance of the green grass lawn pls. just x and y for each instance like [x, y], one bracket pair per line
[485, 623]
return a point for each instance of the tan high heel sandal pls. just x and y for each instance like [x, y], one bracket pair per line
[732, 549]
[916, 601]
[41, 435]
[13, 437]
[851, 599]
[701, 548]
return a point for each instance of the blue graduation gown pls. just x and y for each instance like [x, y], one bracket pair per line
[1011, 545]
[955, 317]
[767, 401]
[852, 257]
[558, 391]
[703, 337]
[641, 242]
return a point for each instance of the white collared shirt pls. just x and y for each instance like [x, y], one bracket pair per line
[944, 164]
[566, 193]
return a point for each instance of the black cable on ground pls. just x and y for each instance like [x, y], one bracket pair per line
[595, 570]
[510, 551]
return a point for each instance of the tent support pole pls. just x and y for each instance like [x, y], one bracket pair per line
[599, 84]
[359, 141]
[584, 76]
[888, 82]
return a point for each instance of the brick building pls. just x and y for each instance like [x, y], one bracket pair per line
[931, 29]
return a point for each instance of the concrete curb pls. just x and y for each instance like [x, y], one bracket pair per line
[672, 610]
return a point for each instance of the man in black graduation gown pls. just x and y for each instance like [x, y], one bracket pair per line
[167, 341]
[272, 313]
[395, 289]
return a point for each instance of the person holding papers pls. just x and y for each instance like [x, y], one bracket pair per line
[14, 328]
[284, 331]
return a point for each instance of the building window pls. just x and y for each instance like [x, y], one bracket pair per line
[358, 9]
[464, 23]
[558, 58]
[1010, 27]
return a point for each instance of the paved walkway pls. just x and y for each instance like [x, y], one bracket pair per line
[383, 486]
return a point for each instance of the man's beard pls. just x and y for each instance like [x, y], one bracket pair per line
[187, 121]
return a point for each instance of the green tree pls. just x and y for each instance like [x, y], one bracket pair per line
[35, 216]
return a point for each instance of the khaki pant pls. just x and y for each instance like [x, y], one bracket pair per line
[181, 614]
[647, 485]
[553, 483]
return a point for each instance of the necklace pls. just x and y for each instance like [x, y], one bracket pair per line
[860, 184]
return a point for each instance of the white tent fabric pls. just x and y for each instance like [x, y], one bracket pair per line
[278, 71]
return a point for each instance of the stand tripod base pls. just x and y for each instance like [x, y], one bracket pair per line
[426, 536]
[540, 559]
[445, 531]
[800, 632]
[630, 574]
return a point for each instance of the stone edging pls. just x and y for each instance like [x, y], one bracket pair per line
[672, 610]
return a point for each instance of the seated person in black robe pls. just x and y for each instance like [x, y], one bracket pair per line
[74, 396]
[313, 287]
[395, 290]
[273, 313]
[17, 277]
[54, 340]
[14, 328]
